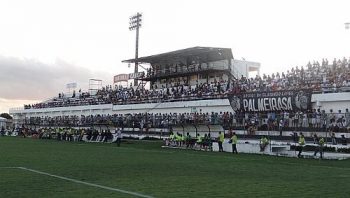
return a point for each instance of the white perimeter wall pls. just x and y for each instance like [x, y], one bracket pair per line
[241, 67]
[335, 101]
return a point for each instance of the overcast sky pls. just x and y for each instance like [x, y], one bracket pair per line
[45, 44]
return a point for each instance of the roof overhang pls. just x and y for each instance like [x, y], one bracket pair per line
[226, 53]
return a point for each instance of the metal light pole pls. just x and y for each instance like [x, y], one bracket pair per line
[135, 24]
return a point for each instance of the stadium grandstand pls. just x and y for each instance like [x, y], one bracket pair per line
[202, 91]
[200, 121]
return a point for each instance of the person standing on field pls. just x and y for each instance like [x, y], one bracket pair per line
[119, 136]
[320, 147]
[220, 141]
[301, 144]
[281, 124]
[234, 141]
[263, 143]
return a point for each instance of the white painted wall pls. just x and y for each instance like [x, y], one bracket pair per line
[327, 101]
[335, 101]
[241, 67]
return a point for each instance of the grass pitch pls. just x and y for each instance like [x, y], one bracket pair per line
[145, 168]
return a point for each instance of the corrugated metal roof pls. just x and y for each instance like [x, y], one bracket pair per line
[193, 51]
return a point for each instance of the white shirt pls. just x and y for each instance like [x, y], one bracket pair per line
[119, 134]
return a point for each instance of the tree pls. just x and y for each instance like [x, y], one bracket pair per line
[6, 115]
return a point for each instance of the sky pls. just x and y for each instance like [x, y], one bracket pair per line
[45, 44]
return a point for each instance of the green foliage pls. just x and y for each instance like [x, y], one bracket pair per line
[144, 167]
[6, 115]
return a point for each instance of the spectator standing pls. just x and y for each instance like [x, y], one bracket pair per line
[2, 133]
[334, 139]
[324, 121]
[313, 118]
[318, 118]
[316, 140]
[343, 140]
[188, 140]
[305, 120]
[347, 117]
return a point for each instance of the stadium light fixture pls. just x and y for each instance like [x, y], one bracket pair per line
[135, 24]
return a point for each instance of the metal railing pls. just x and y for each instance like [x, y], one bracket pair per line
[335, 122]
[153, 99]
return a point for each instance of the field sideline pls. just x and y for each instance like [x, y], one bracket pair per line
[146, 169]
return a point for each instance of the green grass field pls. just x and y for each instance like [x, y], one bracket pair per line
[146, 168]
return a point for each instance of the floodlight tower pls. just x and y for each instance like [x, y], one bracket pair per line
[135, 24]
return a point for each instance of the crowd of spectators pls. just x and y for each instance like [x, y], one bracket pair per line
[128, 95]
[315, 120]
[69, 134]
[82, 98]
[320, 78]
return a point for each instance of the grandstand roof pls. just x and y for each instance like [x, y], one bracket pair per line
[193, 51]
